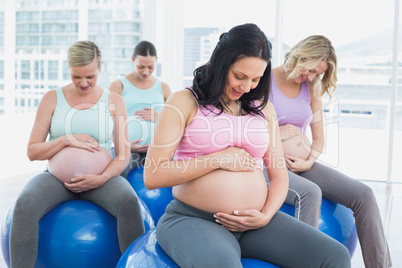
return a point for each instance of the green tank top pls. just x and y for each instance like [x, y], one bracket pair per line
[96, 121]
[137, 99]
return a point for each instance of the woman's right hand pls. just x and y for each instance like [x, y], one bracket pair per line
[288, 131]
[83, 141]
[136, 148]
[235, 159]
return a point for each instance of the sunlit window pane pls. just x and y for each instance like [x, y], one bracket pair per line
[203, 25]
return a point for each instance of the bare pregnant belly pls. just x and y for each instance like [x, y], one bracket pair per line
[224, 191]
[298, 146]
[70, 162]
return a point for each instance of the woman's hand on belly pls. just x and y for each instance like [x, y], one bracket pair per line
[234, 159]
[296, 164]
[83, 141]
[85, 183]
[242, 220]
[136, 148]
[288, 131]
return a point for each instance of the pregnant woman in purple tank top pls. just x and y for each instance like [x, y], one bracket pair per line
[309, 72]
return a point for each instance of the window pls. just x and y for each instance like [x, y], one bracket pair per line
[25, 70]
[203, 26]
[53, 70]
[357, 134]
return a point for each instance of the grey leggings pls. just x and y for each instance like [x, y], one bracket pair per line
[192, 238]
[305, 190]
[44, 192]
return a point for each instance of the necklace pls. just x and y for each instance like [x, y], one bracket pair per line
[227, 108]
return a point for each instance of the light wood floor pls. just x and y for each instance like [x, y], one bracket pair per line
[389, 197]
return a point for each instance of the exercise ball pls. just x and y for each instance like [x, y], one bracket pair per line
[75, 233]
[336, 220]
[156, 200]
[145, 252]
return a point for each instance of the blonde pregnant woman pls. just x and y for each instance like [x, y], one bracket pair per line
[309, 72]
[211, 142]
[82, 120]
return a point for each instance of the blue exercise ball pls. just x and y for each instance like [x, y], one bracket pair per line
[76, 233]
[336, 220]
[145, 252]
[156, 200]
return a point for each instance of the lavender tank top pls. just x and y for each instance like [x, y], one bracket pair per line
[296, 111]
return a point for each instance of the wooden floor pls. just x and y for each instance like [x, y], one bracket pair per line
[389, 197]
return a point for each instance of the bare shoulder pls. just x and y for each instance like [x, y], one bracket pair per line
[47, 105]
[165, 86]
[115, 98]
[269, 111]
[49, 99]
[166, 90]
[116, 87]
[183, 101]
[183, 97]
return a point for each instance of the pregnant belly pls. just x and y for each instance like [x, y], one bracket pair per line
[298, 146]
[71, 162]
[225, 191]
[139, 129]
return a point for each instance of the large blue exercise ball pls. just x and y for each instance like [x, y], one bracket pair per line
[336, 220]
[75, 233]
[145, 252]
[156, 200]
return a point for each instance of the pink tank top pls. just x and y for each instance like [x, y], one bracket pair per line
[211, 132]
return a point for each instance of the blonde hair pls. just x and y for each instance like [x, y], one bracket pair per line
[82, 53]
[306, 55]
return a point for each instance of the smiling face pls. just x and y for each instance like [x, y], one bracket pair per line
[311, 74]
[144, 65]
[84, 77]
[244, 75]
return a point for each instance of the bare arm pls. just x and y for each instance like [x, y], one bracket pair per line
[160, 171]
[38, 148]
[166, 91]
[276, 168]
[120, 136]
[317, 130]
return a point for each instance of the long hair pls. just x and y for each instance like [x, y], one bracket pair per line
[210, 79]
[307, 54]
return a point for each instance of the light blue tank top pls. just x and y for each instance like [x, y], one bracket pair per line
[137, 99]
[296, 111]
[96, 121]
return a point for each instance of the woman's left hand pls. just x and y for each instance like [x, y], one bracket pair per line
[296, 164]
[85, 183]
[148, 114]
[242, 220]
